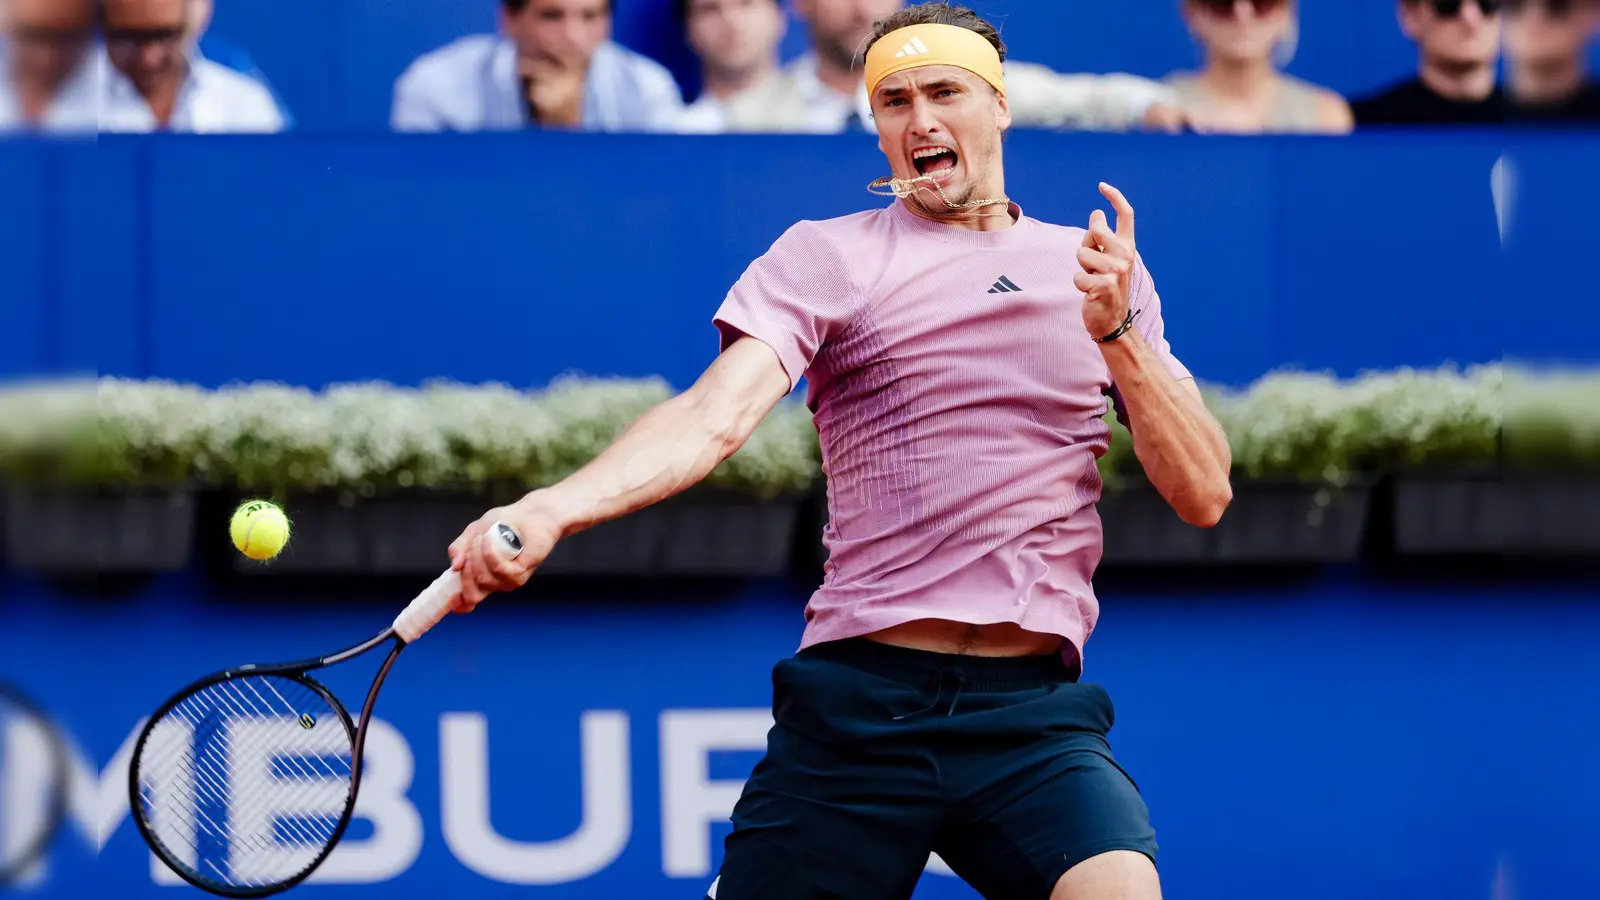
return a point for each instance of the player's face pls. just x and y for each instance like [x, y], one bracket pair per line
[48, 38]
[735, 35]
[1242, 30]
[1550, 31]
[567, 32]
[943, 122]
[146, 38]
[1452, 32]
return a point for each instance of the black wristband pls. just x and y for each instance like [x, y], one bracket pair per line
[1126, 325]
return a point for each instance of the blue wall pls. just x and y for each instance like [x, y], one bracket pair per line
[335, 61]
[517, 257]
[1341, 739]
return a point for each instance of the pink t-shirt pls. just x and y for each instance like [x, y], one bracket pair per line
[959, 403]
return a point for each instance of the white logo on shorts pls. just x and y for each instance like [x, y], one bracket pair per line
[913, 47]
[711, 892]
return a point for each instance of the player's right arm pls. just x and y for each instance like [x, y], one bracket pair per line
[675, 445]
[789, 303]
[667, 450]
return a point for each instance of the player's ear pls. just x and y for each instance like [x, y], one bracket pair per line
[1002, 114]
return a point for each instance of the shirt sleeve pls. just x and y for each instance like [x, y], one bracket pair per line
[794, 298]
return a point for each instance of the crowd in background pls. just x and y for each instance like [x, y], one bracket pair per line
[150, 65]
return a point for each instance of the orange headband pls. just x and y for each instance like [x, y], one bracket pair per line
[934, 45]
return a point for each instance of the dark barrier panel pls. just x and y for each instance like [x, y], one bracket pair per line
[1347, 739]
[518, 257]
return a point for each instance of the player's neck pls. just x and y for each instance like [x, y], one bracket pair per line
[1546, 81]
[990, 217]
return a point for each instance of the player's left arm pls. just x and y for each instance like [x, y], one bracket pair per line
[1180, 444]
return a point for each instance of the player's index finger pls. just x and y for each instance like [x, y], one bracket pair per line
[1124, 210]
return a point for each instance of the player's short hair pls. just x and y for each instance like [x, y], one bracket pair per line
[937, 12]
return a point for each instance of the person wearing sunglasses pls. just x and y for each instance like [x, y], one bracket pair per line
[1458, 46]
[1241, 89]
[1547, 82]
[158, 82]
[46, 61]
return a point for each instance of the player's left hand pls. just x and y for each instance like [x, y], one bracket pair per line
[1108, 259]
[484, 567]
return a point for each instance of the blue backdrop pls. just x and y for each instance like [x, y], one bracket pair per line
[1335, 740]
[313, 259]
[1347, 738]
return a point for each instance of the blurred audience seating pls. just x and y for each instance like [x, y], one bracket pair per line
[1210, 66]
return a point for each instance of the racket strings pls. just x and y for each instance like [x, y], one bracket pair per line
[244, 782]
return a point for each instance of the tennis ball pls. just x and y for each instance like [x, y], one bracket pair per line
[259, 529]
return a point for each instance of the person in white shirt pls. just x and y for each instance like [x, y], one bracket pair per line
[737, 44]
[822, 92]
[159, 82]
[48, 66]
[554, 65]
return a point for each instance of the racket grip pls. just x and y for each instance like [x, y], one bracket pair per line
[433, 603]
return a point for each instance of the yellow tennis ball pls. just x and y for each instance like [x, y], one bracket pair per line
[259, 529]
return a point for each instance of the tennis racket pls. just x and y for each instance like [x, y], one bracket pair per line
[243, 782]
[33, 784]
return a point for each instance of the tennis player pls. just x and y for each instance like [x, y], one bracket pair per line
[959, 356]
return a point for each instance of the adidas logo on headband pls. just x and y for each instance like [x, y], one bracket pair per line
[912, 48]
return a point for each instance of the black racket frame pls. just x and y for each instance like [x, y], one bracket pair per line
[297, 672]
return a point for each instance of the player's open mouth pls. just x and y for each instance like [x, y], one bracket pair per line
[935, 161]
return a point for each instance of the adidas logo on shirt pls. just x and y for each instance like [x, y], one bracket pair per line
[1003, 286]
[914, 47]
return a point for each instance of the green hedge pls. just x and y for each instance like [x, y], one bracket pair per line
[374, 437]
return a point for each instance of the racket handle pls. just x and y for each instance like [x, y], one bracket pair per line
[433, 603]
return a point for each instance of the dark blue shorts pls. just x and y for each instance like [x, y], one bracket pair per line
[879, 755]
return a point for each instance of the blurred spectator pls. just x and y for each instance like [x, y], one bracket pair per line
[1458, 44]
[158, 81]
[737, 44]
[1546, 44]
[46, 49]
[1241, 89]
[555, 66]
[823, 91]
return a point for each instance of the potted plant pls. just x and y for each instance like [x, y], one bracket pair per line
[1298, 495]
[1510, 467]
[379, 479]
[97, 475]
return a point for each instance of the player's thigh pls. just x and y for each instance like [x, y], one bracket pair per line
[1113, 875]
[1055, 816]
[819, 823]
[845, 801]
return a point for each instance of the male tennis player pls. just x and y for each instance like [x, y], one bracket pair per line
[959, 355]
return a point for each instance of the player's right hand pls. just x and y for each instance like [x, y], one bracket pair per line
[484, 567]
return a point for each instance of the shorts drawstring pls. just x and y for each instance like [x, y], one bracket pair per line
[961, 683]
